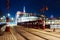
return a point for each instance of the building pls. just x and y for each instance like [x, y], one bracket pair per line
[54, 22]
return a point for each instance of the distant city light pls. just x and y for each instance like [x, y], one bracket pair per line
[51, 16]
[1, 18]
[8, 14]
[24, 9]
[12, 18]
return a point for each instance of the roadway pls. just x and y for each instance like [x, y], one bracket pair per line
[35, 34]
[23, 33]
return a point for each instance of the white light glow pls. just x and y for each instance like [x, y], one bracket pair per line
[25, 19]
[12, 18]
[8, 14]
[1, 18]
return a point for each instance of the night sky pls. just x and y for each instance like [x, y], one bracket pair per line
[32, 6]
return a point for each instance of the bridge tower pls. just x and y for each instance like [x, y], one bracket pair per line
[7, 16]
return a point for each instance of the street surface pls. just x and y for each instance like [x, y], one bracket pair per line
[23, 33]
[36, 34]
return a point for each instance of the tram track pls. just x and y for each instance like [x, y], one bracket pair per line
[42, 33]
[21, 34]
[46, 34]
[36, 35]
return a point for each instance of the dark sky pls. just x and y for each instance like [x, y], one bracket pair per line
[32, 6]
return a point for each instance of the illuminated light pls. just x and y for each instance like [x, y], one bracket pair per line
[48, 22]
[52, 22]
[17, 16]
[51, 16]
[24, 19]
[12, 18]
[42, 16]
[46, 8]
[18, 12]
[8, 25]
[1, 18]
[8, 14]
[24, 9]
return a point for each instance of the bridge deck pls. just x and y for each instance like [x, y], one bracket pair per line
[6, 36]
